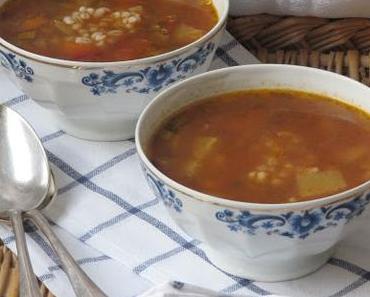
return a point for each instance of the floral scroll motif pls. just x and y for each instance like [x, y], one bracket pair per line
[165, 194]
[18, 66]
[148, 80]
[294, 224]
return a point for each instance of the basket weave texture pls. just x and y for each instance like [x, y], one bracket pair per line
[339, 45]
[9, 275]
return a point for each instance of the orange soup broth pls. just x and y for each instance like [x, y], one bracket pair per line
[265, 146]
[158, 26]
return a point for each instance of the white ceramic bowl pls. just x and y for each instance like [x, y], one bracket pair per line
[102, 101]
[265, 242]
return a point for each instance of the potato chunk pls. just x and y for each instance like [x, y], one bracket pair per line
[311, 183]
[203, 146]
[186, 34]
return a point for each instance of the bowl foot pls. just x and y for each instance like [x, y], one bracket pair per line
[270, 271]
[98, 130]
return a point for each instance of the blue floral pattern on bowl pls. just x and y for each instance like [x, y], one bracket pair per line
[148, 80]
[162, 192]
[18, 66]
[294, 224]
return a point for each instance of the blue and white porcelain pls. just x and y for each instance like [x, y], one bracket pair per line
[102, 101]
[264, 242]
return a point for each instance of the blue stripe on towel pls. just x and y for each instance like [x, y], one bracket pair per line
[160, 226]
[16, 100]
[115, 220]
[350, 288]
[52, 136]
[83, 261]
[46, 277]
[348, 266]
[45, 246]
[8, 240]
[222, 53]
[140, 268]
[99, 170]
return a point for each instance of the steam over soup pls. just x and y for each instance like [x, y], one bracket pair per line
[265, 146]
[105, 30]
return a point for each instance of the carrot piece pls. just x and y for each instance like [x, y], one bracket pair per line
[72, 50]
[132, 48]
[123, 54]
[34, 23]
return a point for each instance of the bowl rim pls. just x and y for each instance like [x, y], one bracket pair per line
[146, 60]
[363, 188]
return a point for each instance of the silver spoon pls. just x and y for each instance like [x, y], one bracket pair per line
[24, 183]
[81, 283]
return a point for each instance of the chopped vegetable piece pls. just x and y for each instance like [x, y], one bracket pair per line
[34, 23]
[76, 51]
[314, 184]
[27, 35]
[186, 34]
[203, 146]
[64, 28]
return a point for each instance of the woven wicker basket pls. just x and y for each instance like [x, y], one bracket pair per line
[9, 276]
[340, 45]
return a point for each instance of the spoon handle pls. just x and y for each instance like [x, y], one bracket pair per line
[81, 283]
[28, 286]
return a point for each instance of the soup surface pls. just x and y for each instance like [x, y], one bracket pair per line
[265, 146]
[105, 30]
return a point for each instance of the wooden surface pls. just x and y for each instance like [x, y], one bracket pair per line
[9, 283]
[342, 46]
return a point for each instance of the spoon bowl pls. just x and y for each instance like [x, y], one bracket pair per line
[24, 171]
[52, 193]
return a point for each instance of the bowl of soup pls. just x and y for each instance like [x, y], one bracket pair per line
[95, 64]
[267, 165]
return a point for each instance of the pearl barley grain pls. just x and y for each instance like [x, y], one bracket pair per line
[94, 25]
[132, 19]
[101, 11]
[84, 16]
[83, 40]
[68, 20]
[98, 36]
[261, 176]
[114, 33]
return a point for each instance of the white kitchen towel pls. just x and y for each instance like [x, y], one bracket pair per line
[319, 8]
[179, 289]
[114, 278]
[119, 231]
